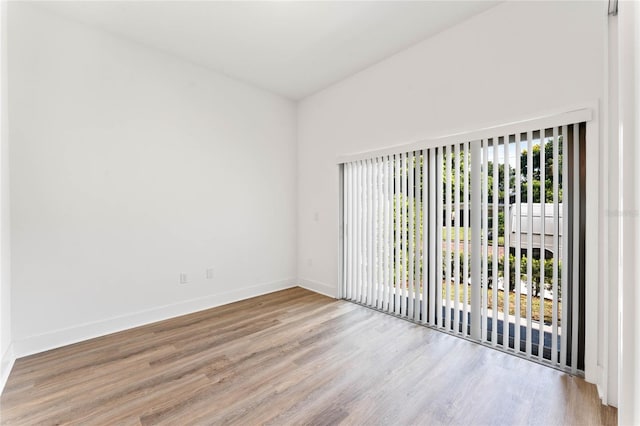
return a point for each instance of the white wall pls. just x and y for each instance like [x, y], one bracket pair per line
[629, 210]
[6, 353]
[515, 61]
[611, 197]
[129, 167]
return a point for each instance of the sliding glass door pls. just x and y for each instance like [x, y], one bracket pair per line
[479, 238]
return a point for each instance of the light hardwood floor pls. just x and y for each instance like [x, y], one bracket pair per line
[291, 357]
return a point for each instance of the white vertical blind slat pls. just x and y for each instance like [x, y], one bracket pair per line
[543, 219]
[447, 317]
[439, 244]
[346, 264]
[426, 233]
[465, 249]
[345, 210]
[476, 240]
[380, 239]
[556, 224]
[404, 293]
[392, 262]
[388, 235]
[518, 242]
[375, 230]
[506, 283]
[494, 243]
[374, 233]
[369, 233]
[433, 238]
[418, 243]
[529, 346]
[485, 240]
[366, 276]
[398, 256]
[411, 234]
[456, 239]
[363, 234]
[565, 245]
[381, 234]
[359, 238]
[354, 232]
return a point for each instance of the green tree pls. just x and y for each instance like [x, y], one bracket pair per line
[536, 171]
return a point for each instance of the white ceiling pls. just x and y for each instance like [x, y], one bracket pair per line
[291, 48]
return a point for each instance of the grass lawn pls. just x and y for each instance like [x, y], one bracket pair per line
[452, 235]
[535, 303]
[446, 236]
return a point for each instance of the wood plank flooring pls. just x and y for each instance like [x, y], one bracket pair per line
[291, 357]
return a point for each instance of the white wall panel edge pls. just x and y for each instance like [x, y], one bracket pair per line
[593, 257]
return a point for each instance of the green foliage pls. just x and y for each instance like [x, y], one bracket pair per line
[535, 271]
[460, 163]
[453, 265]
[536, 174]
[536, 171]
[501, 181]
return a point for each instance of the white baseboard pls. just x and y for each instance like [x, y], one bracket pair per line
[58, 338]
[318, 287]
[603, 393]
[6, 364]
[598, 379]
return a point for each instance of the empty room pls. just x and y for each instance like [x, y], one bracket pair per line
[319, 212]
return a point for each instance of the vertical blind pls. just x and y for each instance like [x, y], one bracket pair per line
[479, 238]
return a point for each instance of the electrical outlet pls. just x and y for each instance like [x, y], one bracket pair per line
[183, 278]
[209, 273]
